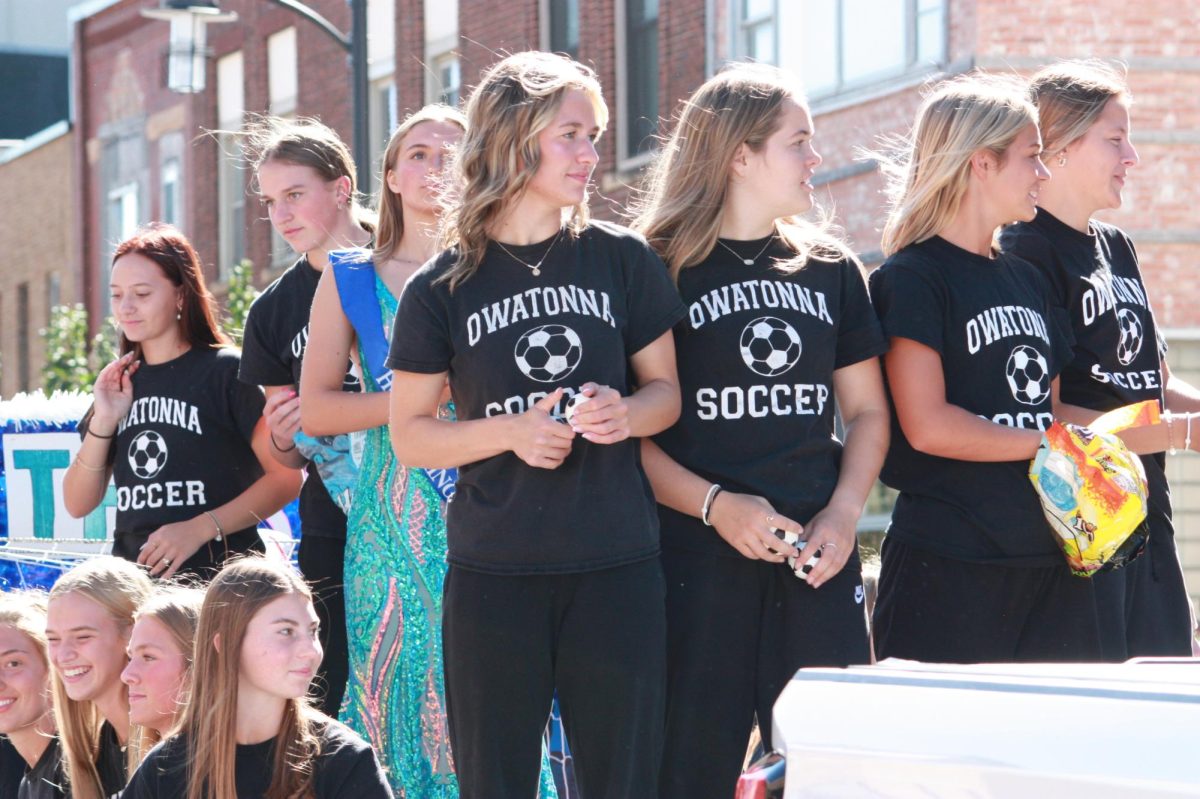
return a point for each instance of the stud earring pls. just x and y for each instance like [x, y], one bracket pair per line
[1062, 159]
[178, 316]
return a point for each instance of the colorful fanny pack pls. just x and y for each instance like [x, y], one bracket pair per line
[1093, 489]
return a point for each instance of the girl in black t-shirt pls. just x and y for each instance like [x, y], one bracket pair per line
[161, 647]
[971, 571]
[779, 329]
[88, 620]
[182, 439]
[552, 537]
[28, 719]
[248, 729]
[1118, 357]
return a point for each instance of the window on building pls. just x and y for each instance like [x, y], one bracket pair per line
[170, 192]
[849, 43]
[755, 30]
[231, 191]
[637, 57]
[53, 293]
[121, 222]
[282, 77]
[443, 83]
[381, 99]
[561, 31]
[446, 79]
[23, 354]
[383, 118]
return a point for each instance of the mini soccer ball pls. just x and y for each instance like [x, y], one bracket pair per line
[1028, 376]
[573, 405]
[147, 454]
[800, 571]
[770, 346]
[1131, 336]
[548, 353]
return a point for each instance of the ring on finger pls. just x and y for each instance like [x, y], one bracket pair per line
[829, 544]
[166, 561]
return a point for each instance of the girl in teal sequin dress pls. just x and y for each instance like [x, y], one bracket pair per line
[396, 531]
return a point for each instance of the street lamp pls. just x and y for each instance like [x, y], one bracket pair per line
[185, 71]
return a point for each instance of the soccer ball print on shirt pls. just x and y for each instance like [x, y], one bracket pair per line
[1130, 343]
[147, 454]
[548, 353]
[1028, 375]
[770, 346]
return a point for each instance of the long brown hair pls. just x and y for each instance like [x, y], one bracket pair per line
[180, 264]
[390, 230]
[177, 608]
[498, 156]
[118, 586]
[209, 724]
[1070, 96]
[686, 189]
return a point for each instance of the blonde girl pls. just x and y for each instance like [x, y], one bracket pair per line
[160, 662]
[779, 328]
[27, 720]
[88, 621]
[248, 729]
[396, 543]
[1119, 355]
[554, 581]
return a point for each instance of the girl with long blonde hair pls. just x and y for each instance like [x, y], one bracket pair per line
[160, 650]
[248, 729]
[27, 721]
[307, 183]
[88, 620]
[1119, 355]
[971, 571]
[779, 327]
[536, 314]
[396, 530]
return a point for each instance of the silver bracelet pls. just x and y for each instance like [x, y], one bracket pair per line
[217, 524]
[713, 490]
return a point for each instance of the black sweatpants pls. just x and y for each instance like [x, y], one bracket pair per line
[1144, 607]
[943, 610]
[322, 562]
[510, 641]
[737, 631]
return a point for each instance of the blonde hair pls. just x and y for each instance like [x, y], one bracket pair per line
[177, 608]
[119, 587]
[305, 141]
[928, 173]
[1071, 95]
[516, 100]
[25, 612]
[687, 186]
[390, 231]
[209, 724]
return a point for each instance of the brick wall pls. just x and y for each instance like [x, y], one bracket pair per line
[36, 241]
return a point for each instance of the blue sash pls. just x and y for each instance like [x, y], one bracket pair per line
[355, 277]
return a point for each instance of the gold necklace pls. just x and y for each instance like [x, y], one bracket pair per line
[742, 258]
[535, 268]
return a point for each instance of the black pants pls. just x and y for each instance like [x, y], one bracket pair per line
[737, 631]
[322, 562]
[943, 610]
[1144, 607]
[510, 641]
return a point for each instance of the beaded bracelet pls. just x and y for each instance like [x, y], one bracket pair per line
[1169, 417]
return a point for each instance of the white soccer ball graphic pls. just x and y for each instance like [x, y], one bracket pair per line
[1028, 376]
[770, 346]
[548, 353]
[147, 454]
[1131, 336]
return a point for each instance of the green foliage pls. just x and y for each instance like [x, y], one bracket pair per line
[72, 361]
[240, 294]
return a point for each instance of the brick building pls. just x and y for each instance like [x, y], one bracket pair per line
[863, 63]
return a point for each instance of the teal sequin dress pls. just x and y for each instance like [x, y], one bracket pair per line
[395, 567]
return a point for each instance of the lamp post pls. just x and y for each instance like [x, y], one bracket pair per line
[186, 53]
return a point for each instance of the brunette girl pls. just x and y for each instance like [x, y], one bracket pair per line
[554, 580]
[182, 439]
[248, 730]
[754, 451]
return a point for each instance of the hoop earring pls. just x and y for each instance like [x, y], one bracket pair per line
[1062, 159]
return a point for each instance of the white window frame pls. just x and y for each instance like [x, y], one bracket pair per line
[283, 72]
[436, 90]
[545, 27]
[740, 28]
[627, 160]
[912, 65]
[122, 208]
[231, 188]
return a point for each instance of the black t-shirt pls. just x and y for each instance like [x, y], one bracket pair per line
[45, 779]
[110, 762]
[1118, 351]
[184, 448]
[1001, 345]
[12, 767]
[756, 355]
[508, 338]
[345, 768]
[272, 352]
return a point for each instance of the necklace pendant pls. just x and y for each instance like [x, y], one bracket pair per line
[748, 261]
[536, 271]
